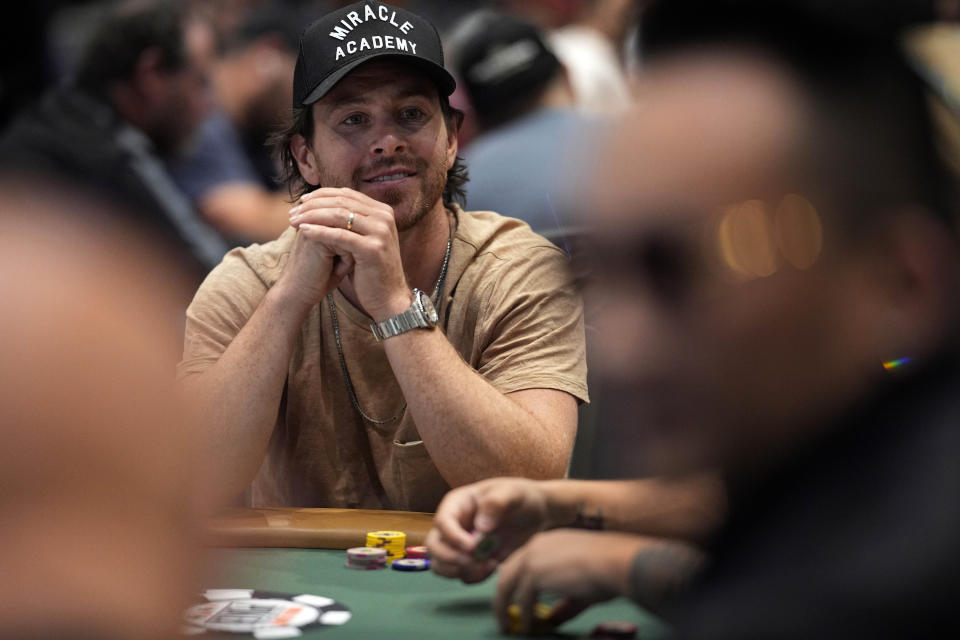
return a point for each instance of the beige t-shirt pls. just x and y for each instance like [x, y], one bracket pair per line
[509, 310]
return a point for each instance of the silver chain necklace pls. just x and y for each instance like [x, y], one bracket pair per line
[437, 294]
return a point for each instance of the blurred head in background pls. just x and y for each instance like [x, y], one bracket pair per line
[772, 226]
[506, 67]
[151, 61]
[253, 76]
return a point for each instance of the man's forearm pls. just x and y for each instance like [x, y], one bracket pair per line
[682, 508]
[471, 430]
[238, 397]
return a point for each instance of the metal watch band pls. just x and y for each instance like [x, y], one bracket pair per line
[401, 323]
[412, 318]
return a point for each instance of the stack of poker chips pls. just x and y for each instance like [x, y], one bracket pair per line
[366, 558]
[393, 542]
[417, 560]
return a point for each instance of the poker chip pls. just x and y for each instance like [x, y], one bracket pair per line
[614, 629]
[366, 553]
[394, 542]
[366, 558]
[411, 564]
[420, 552]
[486, 547]
[264, 614]
[541, 619]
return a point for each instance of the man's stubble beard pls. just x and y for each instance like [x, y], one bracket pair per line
[433, 182]
[434, 179]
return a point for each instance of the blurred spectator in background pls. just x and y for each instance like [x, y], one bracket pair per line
[24, 65]
[141, 89]
[228, 171]
[591, 38]
[935, 50]
[98, 518]
[527, 124]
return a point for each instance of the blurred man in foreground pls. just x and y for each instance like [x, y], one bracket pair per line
[774, 278]
[97, 483]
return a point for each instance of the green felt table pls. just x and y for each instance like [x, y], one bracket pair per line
[392, 604]
[384, 603]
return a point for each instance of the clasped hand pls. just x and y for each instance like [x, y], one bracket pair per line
[368, 254]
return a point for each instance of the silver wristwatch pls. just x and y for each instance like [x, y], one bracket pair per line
[420, 315]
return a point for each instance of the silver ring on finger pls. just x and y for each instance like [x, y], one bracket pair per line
[350, 220]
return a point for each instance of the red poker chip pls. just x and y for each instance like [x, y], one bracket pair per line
[614, 629]
[419, 552]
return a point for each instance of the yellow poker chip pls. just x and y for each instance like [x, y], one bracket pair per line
[393, 542]
[541, 620]
[387, 536]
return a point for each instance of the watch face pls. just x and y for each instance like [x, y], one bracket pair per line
[426, 304]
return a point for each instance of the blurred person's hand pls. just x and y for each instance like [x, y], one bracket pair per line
[513, 508]
[584, 568]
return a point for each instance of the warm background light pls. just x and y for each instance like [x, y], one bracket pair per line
[798, 231]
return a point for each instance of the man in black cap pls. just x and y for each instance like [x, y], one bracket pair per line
[338, 365]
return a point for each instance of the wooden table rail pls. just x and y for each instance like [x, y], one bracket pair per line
[311, 528]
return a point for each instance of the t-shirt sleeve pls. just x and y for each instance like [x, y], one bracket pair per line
[221, 307]
[532, 326]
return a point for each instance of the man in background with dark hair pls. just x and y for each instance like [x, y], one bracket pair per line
[229, 171]
[141, 90]
[528, 129]
[389, 345]
[776, 260]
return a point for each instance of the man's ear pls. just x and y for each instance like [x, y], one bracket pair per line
[453, 130]
[306, 159]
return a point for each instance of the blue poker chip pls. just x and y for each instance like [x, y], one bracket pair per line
[411, 564]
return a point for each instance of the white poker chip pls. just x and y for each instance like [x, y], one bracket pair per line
[265, 614]
[366, 553]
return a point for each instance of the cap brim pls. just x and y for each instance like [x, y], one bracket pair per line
[441, 77]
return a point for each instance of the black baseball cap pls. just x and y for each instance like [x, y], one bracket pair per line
[334, 45]
[501, 59]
